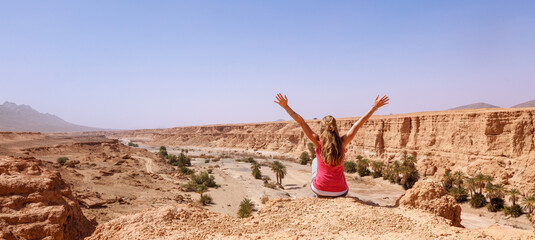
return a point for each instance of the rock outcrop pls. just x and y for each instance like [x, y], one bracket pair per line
[432, 197]
[497, 142]
[37, 204]
[304, 218]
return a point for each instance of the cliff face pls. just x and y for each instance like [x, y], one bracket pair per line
[498, 142]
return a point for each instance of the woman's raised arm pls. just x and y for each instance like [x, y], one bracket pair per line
[283, 102]
[346, 139]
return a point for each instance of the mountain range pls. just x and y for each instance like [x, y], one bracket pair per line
[23, 118]
[528, 104]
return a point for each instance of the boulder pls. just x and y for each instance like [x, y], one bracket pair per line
[35, 203]
[431, 197]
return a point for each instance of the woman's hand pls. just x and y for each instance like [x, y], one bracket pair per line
[282, 100]
[380, 102]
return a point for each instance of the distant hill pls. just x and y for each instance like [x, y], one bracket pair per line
[474, 106]
[528, 104]
[23, 118]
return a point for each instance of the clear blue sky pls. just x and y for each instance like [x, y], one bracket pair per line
[151, 64]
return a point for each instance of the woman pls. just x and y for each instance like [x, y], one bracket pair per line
[328, 167]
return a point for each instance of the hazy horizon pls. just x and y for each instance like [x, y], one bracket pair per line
[132, 65]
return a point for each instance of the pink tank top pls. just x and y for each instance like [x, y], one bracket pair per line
[329, 178]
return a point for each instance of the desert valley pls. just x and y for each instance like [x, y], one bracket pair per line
[124, 185]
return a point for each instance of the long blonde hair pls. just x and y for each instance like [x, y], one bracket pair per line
[331, 148]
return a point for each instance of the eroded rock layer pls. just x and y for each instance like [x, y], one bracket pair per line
[432, 197]
[37, 204]
[497, 142]
[305, 218]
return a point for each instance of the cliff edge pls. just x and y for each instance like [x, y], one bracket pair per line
[304, 218]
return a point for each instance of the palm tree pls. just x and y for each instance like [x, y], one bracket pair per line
[458, 178]
[488, 179]
[495, 191]
[279, 170]
[447, 180]
[255, 167]
[365, 162]
[529, 203]
[408, 160]
[377, 168]
[513, 195]
[470, 185]
[482, 181]
[396, 169]
[410, 176]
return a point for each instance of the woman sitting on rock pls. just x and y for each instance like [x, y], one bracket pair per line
[328, 178]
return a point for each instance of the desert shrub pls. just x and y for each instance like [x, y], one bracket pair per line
[304, 158]
[210, 171]
[204, 178]
[186, 171]
[459, 194]
[377, 168]
[264, 199]
[246, 208]
[408, 171]
[197, 181]
[256, 173]
[495, 204]
[270, 185]
[190, 187]
[181, 160]
[514, 211]
[410, 177]
[207, 161]
[447, 181]
[266, 179]
[362, 167]
[350, 167]
[386, 172]
[205, 199]
[172, 159]
[163, 151]
[62, 160]
[131, 144]
[478, 200]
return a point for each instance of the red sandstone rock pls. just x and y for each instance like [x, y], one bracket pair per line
[37, 204]
[432, 197]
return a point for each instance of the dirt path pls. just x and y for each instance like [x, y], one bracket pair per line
[152, 167]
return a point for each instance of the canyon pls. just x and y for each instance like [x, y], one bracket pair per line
[497, 142]
[116, 191]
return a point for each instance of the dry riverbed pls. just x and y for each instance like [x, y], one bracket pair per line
[237, 183]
